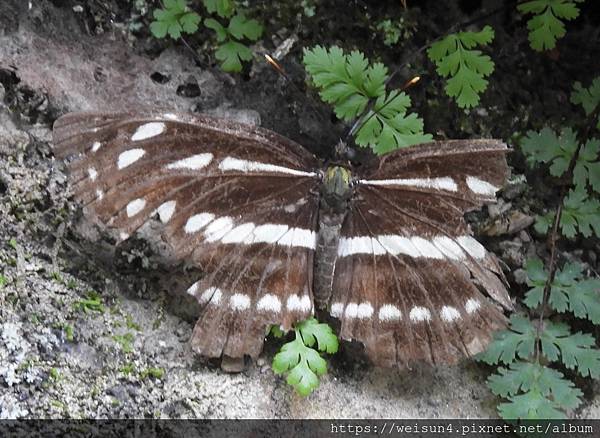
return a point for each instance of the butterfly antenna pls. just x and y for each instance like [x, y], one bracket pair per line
[279, 69]
[359, 121]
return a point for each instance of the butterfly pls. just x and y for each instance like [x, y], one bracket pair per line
[383, 248]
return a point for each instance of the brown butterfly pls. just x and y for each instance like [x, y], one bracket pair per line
[386, 250]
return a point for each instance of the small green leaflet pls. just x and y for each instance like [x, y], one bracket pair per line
[174, 19]
[587, 169]
[466, 68]
[580, 213]
[544, 222]
[588, 98]
[231, 52]
[534, 391]
[576, 351]
[569, 291]
[388, 127]
[391, 31]
[301, 360]
[349, 82]
[545, 27]
[346, 81]
[223, 8]
[276, 331]
[546, 147]
[517, 341]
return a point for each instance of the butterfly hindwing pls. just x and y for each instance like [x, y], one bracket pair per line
[242, 204]
[407, 260]
[236, 201]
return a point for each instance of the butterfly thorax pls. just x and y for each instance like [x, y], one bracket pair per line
[336, 191]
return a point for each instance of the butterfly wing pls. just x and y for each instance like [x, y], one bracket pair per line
[236, 201]
[407, 264]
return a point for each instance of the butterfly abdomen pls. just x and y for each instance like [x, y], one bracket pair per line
[335, 193]
[326, 256]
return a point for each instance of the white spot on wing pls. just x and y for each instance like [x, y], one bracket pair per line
[239, 233]
[449, 313]
[389, 312]
[419, 313]
[230, 163]
[359, 245]
[218, 228]
[270, 303]
[399, 245]
[192, 289]
[198, 221]
[472, 305]
[239, 301]
[426, 248]
[194, 162]
[212, 295]
[99, 194]
[170, 116]
[439, 247]
[351, 310]
[135, 206]
[481, 187]
[337, 309]
[95, 146]
[92, 173]
[148, 130]
[472, 246]
[299, 237]
[295, 303]
[442, 183]
[449, 248]
[364, 310]
[267, 233]
[165, 211]
[129, 157]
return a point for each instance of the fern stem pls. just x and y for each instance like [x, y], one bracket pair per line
[589, 123]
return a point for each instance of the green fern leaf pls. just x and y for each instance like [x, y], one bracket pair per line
[543, 222]
[588, 98]
[466, 68]
[569, 291]
[576, 351]
[223, 8]
[320, 333]
[231, 54]
[546, 147]
[304, 363]
[388, 127]
[545, 27]
[517, 341]
[580, 213]
[348, 82]
[534, 392]
[241, 27]
[587, 168]
[536, 279]
[174, 19]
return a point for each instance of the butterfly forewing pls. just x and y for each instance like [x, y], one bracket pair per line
[238, 202]
[242, 204]
[408, 258]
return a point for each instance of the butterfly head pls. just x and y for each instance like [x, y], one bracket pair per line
[337, 187]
